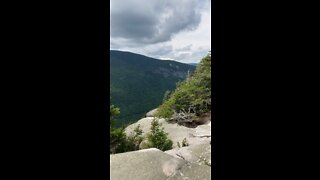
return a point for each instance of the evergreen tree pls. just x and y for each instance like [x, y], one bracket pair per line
[118, 139]
[158, 138]
[192, 95]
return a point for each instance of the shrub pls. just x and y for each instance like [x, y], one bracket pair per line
[118, 139]
[166, 96]
[157, 138]
[119, 142]
[136, 138]
[192, 95]
[114, 111]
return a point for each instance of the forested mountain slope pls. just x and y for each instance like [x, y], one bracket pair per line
[138, 83]
[192, 98]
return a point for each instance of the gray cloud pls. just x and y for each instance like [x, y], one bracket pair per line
[152, 21]
[199, 54]
[158, 51]
[162, 29]
[186, 48]
[182, 56]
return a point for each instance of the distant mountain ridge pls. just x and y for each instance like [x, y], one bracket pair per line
[138, 82]
[193, 64]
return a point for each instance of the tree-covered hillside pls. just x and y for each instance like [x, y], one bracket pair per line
[138, 83]
[191, 98]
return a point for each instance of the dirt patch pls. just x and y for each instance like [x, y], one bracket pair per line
[205, 118]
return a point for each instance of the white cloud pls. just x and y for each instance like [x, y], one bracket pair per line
[162, 29]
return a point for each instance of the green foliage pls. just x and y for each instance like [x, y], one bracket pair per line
[114, 111]
[166, 96]
[138, 83]
[118, 139]
[158, 138]
[192, 95]
[120, 142]
[136, 139]
[138, 131]
[165, 110]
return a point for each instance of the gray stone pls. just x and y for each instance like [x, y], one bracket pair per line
[193, 172]
[198, 153]
[153, 164]
[190, 162]
[175, 132]
[145, 125]
[148, 164]
[151, 113]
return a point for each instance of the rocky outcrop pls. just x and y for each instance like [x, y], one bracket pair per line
[151, 113]
[198, 135]
[180, 163]
[156, 165]
[199, 153]
[144, 164]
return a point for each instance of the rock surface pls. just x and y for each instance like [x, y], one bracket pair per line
[199, 153]
[175, 132]
[144, 164]
[192, 162]
[153, 164]
[151, 113]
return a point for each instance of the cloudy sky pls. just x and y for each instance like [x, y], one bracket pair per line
[166, 29]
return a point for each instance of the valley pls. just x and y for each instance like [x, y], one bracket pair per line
[138, 83]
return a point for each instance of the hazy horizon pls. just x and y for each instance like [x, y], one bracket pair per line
[155, 57]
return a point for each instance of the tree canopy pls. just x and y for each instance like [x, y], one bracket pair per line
[192, 95]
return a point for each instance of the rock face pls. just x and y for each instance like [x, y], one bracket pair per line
[199, 154]
[180, 163]
[151, 113]
[156, 165]
[144, 164]
[198, 135]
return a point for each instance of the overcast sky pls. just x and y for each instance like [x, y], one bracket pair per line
[166, 29]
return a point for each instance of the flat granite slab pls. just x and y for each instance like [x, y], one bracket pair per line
[145, 164]
[153, 164]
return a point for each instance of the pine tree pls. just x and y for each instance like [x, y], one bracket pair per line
[158, 138]
[192, 95]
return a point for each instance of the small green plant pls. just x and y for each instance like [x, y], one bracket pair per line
[157, 138]
[117, 135]
[138, 131]
[137, 138]
[185, 142]
[119, 142]
[114, 111]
